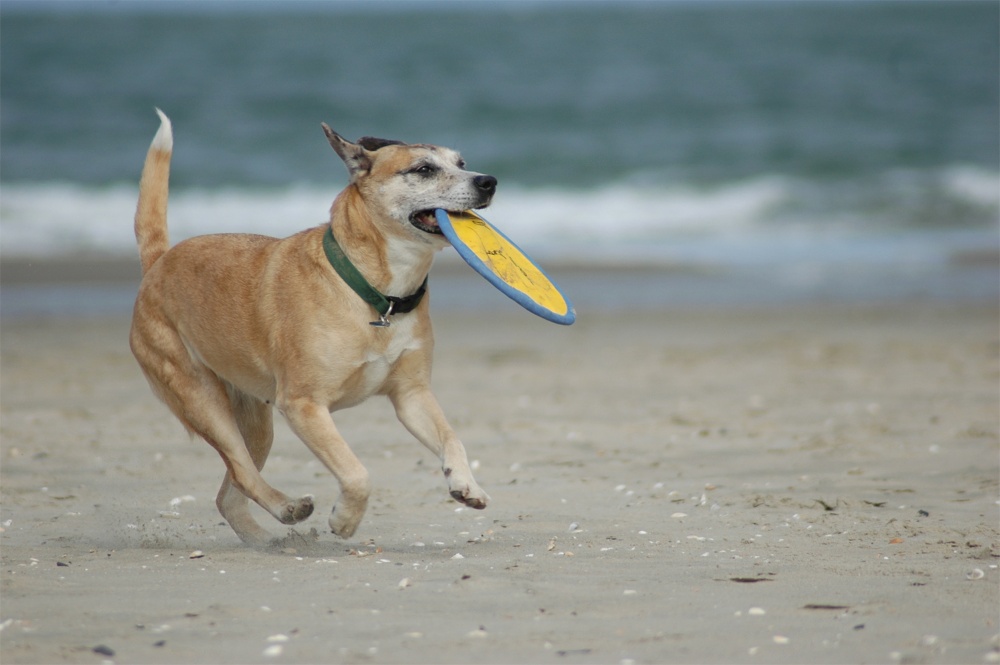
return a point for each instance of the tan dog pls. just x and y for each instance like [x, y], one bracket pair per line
[227, 326]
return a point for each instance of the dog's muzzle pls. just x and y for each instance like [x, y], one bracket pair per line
[486, 186]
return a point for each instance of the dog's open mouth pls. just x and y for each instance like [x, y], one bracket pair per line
[425, 221]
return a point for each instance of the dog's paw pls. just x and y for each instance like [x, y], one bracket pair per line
[473, 497]
[346, 515]
[464, 489]
[342, 524]
[297, 511]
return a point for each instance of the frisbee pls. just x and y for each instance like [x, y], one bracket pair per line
[504, 265]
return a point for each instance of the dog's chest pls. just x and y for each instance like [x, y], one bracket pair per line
[379, 359]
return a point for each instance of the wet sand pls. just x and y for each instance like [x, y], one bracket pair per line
[686, 485]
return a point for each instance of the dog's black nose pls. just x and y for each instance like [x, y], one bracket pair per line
[485, 183]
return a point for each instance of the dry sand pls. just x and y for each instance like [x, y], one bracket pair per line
[789, 485]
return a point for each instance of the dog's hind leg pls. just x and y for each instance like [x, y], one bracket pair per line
[200, 401]
[256, 423]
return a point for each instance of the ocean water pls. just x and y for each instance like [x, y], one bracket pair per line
[802, 144]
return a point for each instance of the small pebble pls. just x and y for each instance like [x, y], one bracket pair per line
[197, 554]
[975, 574]
[278, 638]
[458, 556]
[780, 639]
[104, 650]
[573, 527]
[756, 611]
[273, 651]
[679, 515]
[403, 583]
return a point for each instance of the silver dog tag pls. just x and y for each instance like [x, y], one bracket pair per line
[383, 319]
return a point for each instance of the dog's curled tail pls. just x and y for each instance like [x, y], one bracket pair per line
[151, 212]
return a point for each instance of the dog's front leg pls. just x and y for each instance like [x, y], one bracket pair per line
[312, 423]
[419, 411]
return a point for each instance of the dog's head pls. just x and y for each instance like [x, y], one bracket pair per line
[407, 182]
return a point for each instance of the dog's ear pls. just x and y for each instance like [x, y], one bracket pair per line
[356, 157]
[372, 143]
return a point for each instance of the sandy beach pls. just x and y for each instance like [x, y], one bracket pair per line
[683, 485]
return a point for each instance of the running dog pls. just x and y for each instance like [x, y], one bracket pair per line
[227, 326]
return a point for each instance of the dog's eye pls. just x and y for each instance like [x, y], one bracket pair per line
[461, 163]
[424, 169]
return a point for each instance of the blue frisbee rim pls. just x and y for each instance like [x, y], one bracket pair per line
[518, 296]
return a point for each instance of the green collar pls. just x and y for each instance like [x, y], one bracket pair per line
[386, 306]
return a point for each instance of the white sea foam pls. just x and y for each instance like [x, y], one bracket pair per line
[757, 220]
[55, 219]
[974, 185]
[637, 213]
